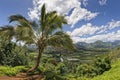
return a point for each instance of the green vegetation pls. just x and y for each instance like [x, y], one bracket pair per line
[47, 32]
[11, 54]
[11, 71]
[112, 74]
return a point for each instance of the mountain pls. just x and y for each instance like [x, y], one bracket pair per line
[98, 44]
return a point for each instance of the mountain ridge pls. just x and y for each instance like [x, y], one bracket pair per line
[98, 44]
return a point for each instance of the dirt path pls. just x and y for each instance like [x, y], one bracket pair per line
[22, 76]
[17, 78]
[9, 78]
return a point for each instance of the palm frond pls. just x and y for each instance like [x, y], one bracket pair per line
[21, 20]
[17, 17]
[24, 28]
[43, 15]
[24, 34]
[36, 26]
[53, 21]
[61, 39]
[7, 31]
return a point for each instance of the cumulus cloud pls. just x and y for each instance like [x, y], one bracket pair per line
[109, 26]
[95, 33]
[71, 9]
[103, 37]
[113, 24]
[79, 14]
[87, 29]
[102, 2]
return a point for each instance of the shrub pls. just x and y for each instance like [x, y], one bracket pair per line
[51, 71]
[12, 54]
[86, 70]
[60, 69]
[97, 68]
[102, 65]
[20, 56]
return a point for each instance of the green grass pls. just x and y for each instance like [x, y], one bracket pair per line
[112, 74]
[11, 71]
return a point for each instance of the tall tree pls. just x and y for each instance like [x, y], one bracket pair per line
[46, 32]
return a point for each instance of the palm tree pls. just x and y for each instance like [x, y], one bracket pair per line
[46, 32]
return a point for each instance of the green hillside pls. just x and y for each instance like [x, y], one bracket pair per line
[112, 74]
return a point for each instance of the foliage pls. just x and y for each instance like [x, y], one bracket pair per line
[115, 54]
[12, 54]
[102, 65]
[20, 56]
[52, 68]
[86, 70]
[112, 74]
[11, 71]
[97, 68]
[70, 67]
[52, 71]
[5, 52]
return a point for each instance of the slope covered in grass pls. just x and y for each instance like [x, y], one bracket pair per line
[112, 74]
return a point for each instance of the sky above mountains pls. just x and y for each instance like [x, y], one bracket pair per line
[88, 20]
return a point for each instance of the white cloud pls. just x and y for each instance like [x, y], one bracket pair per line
[63, 7]
[95, 33]
[103, 37]
[79, 14]
[102, 2]
[109, 26]
[113, 24]
[33, 14]
[87, 29]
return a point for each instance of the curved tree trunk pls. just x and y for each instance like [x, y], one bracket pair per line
[37, 59]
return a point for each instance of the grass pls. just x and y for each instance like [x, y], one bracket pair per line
[112, 74]
[11, 71]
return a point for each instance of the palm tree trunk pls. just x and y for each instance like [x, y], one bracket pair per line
[37, 60]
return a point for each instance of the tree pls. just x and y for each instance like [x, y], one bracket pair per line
[46, 32]
[11, 54]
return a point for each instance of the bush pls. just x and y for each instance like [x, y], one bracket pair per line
[102, 65]
[70, 67]
[51, 71]
[86, 70]
[12, 54]
[60, 69]
[99, 66]
[20, 56]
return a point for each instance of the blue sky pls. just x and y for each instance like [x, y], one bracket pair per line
[88, 20]
[10, 7]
